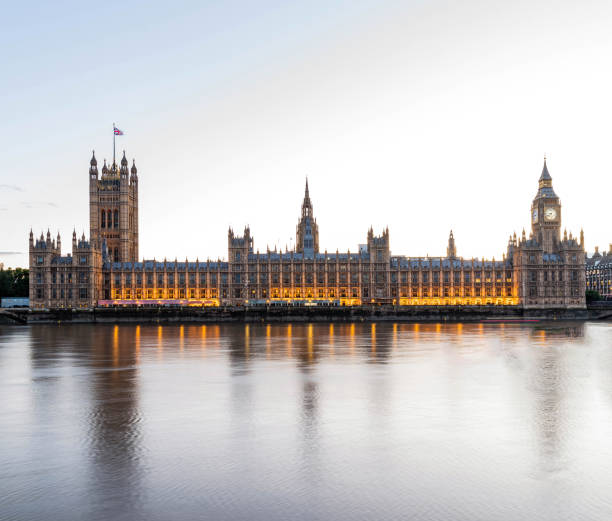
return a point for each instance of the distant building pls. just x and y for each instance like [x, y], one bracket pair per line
[543, 270]
[599, 273]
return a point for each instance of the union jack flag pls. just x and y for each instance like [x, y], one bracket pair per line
[117, 131]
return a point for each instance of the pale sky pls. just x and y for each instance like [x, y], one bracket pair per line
[423, 116]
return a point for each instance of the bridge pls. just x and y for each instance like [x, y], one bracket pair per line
[12, 316]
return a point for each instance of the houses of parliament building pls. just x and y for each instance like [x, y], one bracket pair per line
[545, 269]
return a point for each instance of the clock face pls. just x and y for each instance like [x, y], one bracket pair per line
[534, 216]
[550, 214]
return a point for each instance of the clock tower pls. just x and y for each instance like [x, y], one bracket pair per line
[546, 214]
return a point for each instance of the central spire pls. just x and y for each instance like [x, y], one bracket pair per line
[307, 204]
[307, 233]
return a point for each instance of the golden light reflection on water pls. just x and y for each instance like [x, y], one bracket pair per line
[116, 345]
[247, 340]
[331, 339]
[310, 342]
[394, 343]
[203, 337]
[289, 340]
[182, 338]
[137, 343]
[373, 337]
[160, 342]
[268, 341]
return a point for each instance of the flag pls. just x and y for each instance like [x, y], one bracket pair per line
[117, 132]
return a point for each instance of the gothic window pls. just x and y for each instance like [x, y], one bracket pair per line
[237, 256]
[116, 219]
[116, 254]
[103, 220]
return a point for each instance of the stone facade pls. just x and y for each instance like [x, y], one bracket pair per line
[113, 208]
[542, 271]
[599, 273]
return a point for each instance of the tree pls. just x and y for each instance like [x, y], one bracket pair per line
[14, 283]
[592, 295]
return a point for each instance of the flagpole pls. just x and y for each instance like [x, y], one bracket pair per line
[113, 143]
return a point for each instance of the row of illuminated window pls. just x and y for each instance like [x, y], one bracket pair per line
[354, 292]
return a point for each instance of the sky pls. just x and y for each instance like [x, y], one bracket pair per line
[423, 116]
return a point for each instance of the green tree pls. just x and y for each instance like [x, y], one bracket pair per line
[14, 283]
[592, 295]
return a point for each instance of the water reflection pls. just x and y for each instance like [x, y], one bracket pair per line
[278, 421]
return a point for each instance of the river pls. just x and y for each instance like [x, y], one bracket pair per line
[306, 422]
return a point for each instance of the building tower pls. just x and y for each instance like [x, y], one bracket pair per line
[451, 250]
[113, 209]
[307, 231]
[546, 214]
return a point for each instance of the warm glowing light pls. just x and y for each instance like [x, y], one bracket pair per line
[115, 345]
[137, 342]
[310, 342]
[373, 337]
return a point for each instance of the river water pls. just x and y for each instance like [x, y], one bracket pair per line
[306, 422]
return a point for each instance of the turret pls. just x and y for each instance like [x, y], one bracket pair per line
[93, 166]
[307, 230]
[451, 250]
[134, 171]
[58, 242]
[31, 238]
[123, 171]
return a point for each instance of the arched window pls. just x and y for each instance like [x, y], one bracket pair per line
[116, 221]
[116, 254]
[103, 223]
[109, 219]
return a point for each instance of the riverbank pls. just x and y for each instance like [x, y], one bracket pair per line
[306, 314]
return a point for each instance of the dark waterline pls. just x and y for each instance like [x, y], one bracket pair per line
[306, 421]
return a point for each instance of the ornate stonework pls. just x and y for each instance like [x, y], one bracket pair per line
[542, 271]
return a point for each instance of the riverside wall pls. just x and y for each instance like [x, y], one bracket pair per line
[312, 314]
